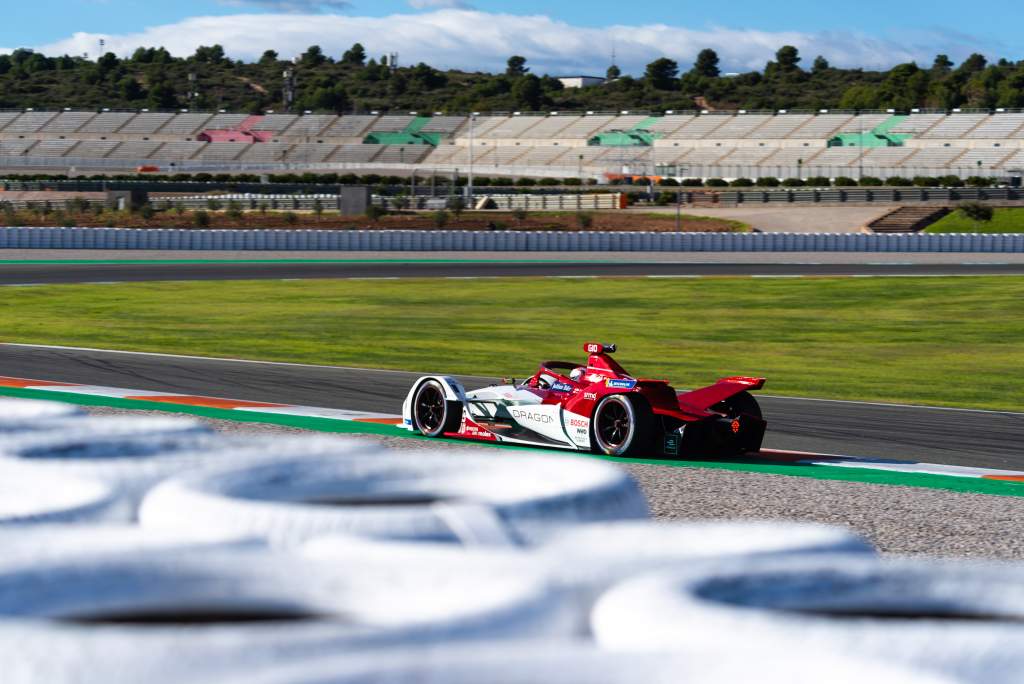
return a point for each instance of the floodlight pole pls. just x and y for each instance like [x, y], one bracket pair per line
[469, 184]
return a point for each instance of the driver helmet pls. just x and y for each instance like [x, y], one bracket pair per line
[578, 373]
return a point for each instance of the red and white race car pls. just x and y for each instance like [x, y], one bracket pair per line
[598, 407]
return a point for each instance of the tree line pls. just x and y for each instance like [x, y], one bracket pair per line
[356, 82]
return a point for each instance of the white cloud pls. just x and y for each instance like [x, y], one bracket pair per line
[294, 6]
[474, 40]
[439, 4]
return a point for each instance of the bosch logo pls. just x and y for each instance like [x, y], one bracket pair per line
[532, 417]
[579, 423]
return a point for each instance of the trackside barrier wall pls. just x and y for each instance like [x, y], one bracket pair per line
[498, 241]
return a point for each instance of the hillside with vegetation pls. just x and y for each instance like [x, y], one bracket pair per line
[355, 82]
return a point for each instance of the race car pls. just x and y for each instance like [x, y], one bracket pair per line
[596, 407]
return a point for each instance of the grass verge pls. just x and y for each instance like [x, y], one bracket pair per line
[1004, 220]
[939, 341]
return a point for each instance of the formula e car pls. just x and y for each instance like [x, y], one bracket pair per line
[598, 407]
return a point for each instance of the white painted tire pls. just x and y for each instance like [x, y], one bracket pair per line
[17, 414]
[954, 619]
[47, 543]
[193, 616]
[465, 498]
[26, 500]
[134, 454]
[577, 663]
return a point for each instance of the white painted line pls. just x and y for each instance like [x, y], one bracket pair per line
[99, 391]
[673, 277]
[313, 412]
[766, 277]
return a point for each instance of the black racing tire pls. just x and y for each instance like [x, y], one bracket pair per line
[621, 426]
[742, 404]
[432, 414]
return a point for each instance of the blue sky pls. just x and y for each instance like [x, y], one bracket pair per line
[478, 33]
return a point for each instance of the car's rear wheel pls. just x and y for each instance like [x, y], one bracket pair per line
[742, 404]
[432, 413]
[621, 426]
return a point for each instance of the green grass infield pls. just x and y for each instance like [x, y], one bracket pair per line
[935, 341]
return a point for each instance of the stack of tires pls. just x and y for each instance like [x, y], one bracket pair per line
[155, 550]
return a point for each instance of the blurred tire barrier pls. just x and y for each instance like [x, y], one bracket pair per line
[500, 241]
[27, 499]
[462, 498]
[23, 415]
[576, 663]
[431, 566]
[200, 615]
[957, 619]
[52, 542]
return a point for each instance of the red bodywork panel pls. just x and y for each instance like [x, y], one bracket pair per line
[605, 376]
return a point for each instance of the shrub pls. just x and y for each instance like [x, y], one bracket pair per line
[926, 182]
[979, 182]
[458, 205]
[214, 204]
[291, 218]
[373, 213]
[525, 182]
[951, 182]
[201, 219]
[440, 218]
[818, 182]
[767, 182]
[572, 181]
[584, 220]
[482, 182]
[870, 182]
[716, 183]
[977, 212]
[669, 182]
[663, 199]
[548, 181]
[348, 179]
[234, 211]
[146, 211]
[793, 183]
[844, 182]
[742, 183]
[318, 208]
[898, 182]
[519, 215]
[692, 183]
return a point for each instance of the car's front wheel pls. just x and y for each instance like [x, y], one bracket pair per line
[621, 426]
[432, 413]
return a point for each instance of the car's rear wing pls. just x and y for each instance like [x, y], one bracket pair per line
[706, 397]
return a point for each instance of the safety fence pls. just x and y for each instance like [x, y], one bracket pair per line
[498, 241]
[541, 202]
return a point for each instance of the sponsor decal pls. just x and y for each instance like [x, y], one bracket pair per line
[591, 396]
[476, 432]
[621, 384]
[519, 414]
[561, 387]
[671, 445]
[579, 422]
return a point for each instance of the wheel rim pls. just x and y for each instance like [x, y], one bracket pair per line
[430, 408]
[613, 425]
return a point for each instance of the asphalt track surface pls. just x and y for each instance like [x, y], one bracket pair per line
[934, 435]
[51, 273]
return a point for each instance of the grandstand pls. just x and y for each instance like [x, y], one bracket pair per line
[684, 144]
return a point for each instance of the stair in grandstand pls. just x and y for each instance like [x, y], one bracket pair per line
[908, 219]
